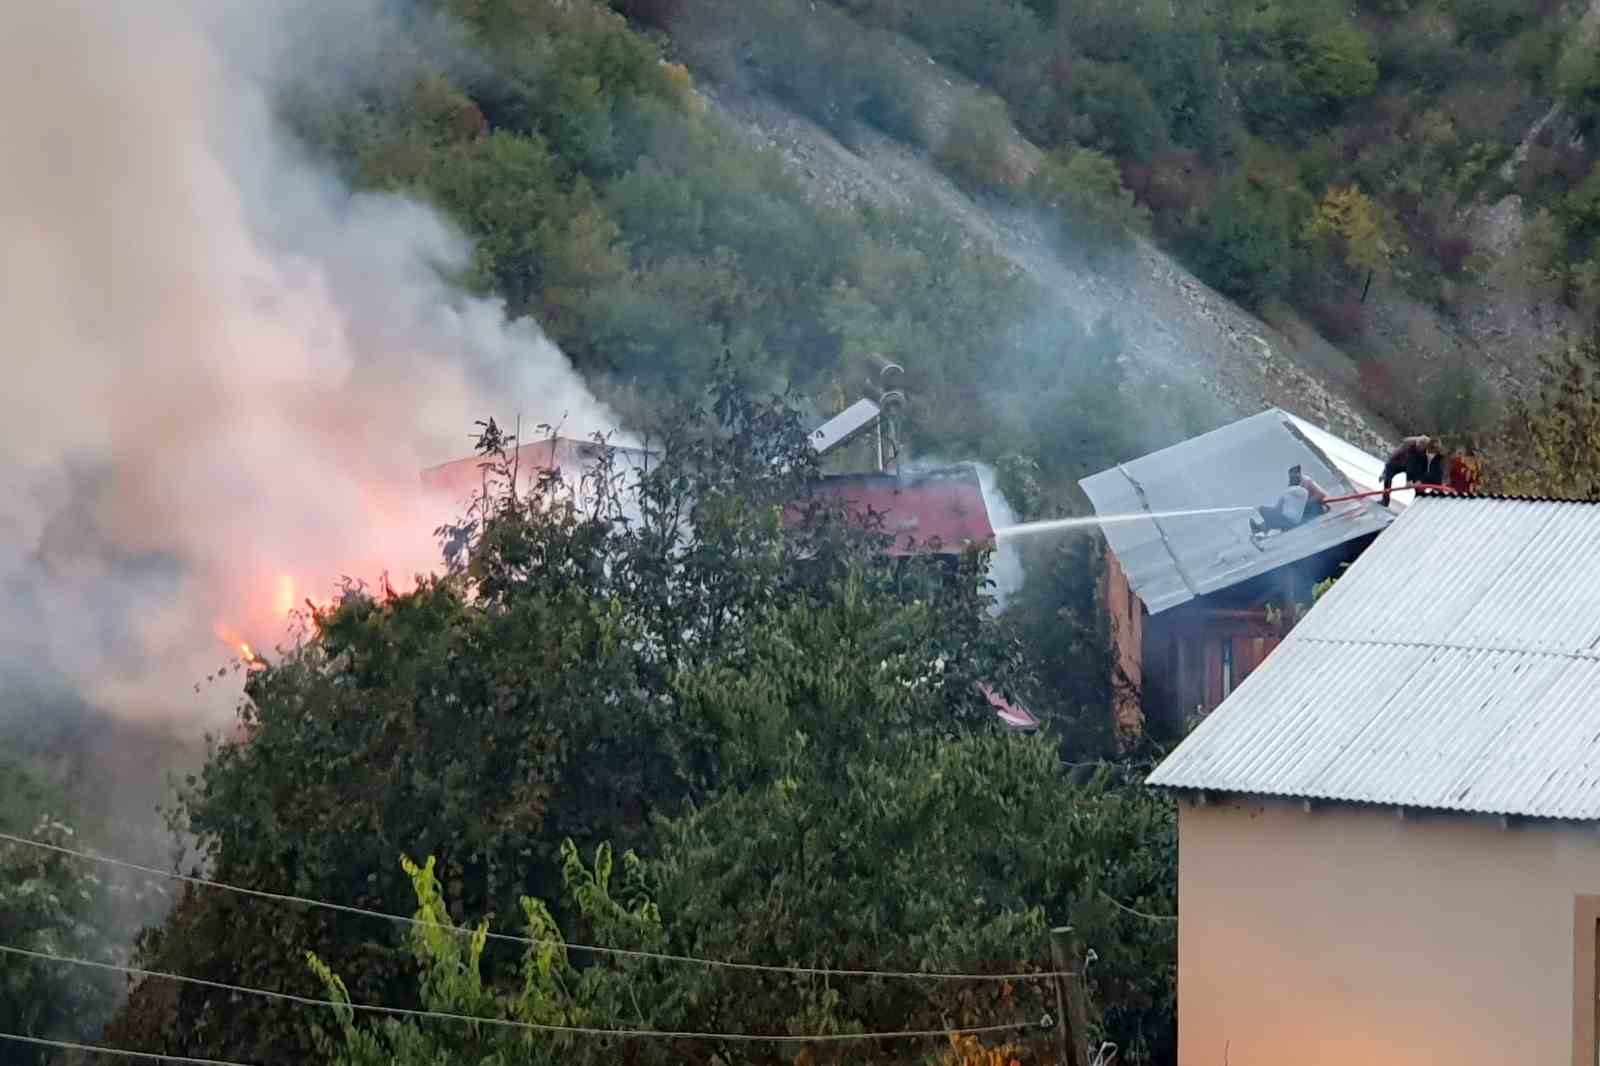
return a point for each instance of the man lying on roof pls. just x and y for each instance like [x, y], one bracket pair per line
[1303, 499]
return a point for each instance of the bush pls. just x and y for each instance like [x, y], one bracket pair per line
[1116, 111]
[1487, 23]
[1452, 251]
[1245, 244]
[1337, 67]
[1578, 78]
[1341, 318]
[976, 148]
[1535, 53]
[1418, 57]
[1085, 190]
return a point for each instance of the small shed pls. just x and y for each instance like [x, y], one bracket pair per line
[1389, 836]
[1196, 602]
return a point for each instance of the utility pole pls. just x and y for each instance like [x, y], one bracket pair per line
[1072, 1013]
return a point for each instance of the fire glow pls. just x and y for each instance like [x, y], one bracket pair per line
[286, 604]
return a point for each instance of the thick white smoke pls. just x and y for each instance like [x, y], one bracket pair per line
[223, 370]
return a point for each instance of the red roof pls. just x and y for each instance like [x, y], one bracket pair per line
[940, 511]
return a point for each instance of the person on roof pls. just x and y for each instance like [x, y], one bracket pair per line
[1466, 470]
[1303, 499]
[1419, 459]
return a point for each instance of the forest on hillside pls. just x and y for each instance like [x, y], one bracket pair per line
[1293, 153]
[766, 744]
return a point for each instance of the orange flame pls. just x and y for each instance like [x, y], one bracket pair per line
[231, 637]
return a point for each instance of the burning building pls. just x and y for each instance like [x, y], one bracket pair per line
[462, 480]
[1197, 596]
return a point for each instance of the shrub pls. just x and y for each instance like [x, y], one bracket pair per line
[976, 144]
[1452, 251]
[1245, 242]
[1118, 112]
[1085, 189]
[1418, 57]
[1337, 67]
[1487, 23]
[1341, 317]
[1578, 78]
[1535, 52]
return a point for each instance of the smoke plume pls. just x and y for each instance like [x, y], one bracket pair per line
[224, 369]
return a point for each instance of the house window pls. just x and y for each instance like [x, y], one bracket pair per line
[1227, 666]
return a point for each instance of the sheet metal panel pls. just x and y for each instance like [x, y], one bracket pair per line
[844, 427]
[1456, 666]
[1171, 560]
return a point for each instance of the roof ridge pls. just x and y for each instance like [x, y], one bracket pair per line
[1448, 646]
[1504, 497]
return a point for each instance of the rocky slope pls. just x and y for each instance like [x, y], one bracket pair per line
[1498, 321]
[1177, 330]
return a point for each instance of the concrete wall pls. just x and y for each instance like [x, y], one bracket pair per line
[1349, 937]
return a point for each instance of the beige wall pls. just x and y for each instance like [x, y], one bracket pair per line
[1348, 937]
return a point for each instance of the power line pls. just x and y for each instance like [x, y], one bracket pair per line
[1117, 903]
[278, 897]
[507, 1023]
[148, 1056]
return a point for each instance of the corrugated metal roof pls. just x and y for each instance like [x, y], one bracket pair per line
[1170, 561]
[942, 509]
[1456, 666]
[1361, 469]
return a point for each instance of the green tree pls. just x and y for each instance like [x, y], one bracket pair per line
[1337, 66]
[931, 855]
[49, 903]
[1085, 188]
[581, 670]
[977, 144]
[1246, 242]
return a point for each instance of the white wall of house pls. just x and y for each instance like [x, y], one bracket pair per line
[1345, 936]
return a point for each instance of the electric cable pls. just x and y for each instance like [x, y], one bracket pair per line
[279, 897]
[508, 1023]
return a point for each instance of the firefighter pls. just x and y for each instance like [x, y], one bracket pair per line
[1303, 499]
[1419, 459]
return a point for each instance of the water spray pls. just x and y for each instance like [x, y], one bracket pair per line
[1053, 525]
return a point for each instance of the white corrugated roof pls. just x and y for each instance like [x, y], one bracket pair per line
[1172, 559]
[1455, 666]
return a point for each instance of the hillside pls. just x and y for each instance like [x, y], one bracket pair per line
[1404, 191]
[1180, 335]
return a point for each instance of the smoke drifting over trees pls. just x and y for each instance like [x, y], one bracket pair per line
[225, 368]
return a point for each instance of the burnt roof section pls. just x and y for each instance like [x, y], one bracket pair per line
[464, 478]
[1172, 560]
[938, 512]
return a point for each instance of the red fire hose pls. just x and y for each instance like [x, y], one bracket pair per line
[1379, 492]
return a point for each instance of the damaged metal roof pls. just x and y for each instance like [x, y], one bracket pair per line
[1171, 560]
[939, 511]
[1455, 667]
[464, 478]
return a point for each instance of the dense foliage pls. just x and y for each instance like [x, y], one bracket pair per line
[783, 721]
